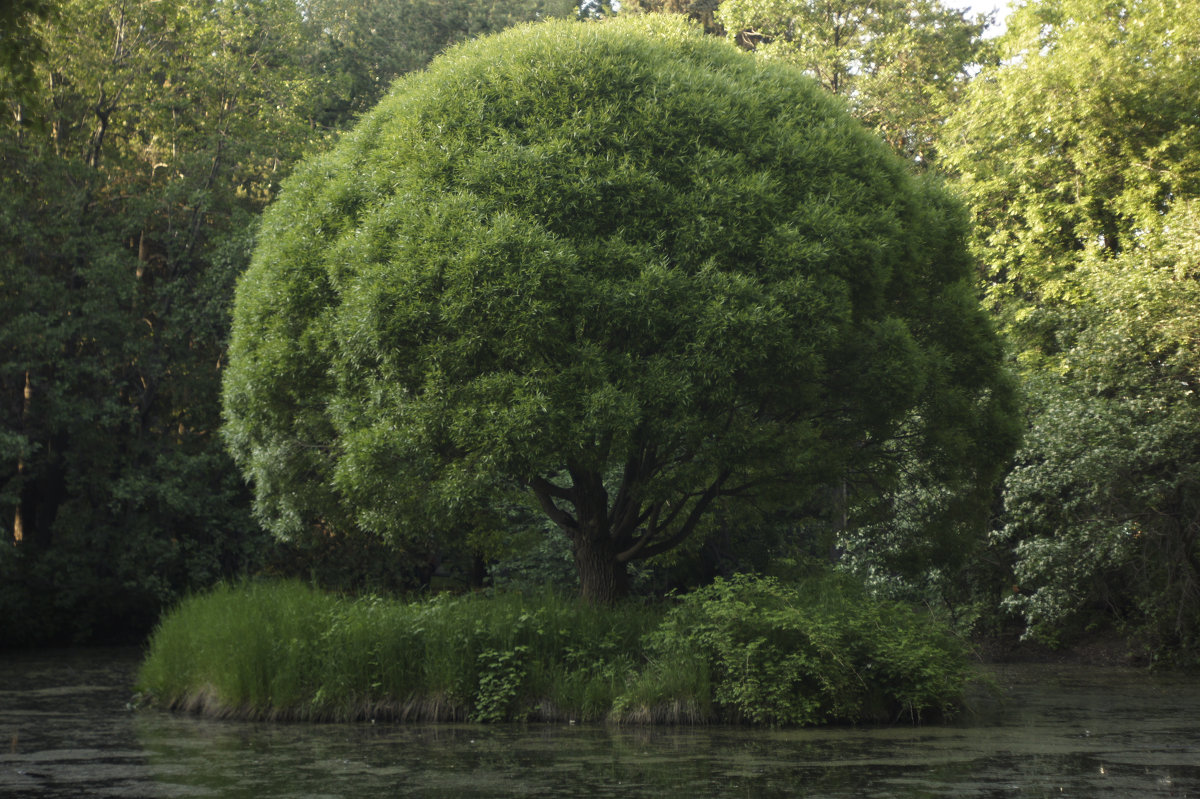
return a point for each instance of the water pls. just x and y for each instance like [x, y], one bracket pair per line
[1092, 733]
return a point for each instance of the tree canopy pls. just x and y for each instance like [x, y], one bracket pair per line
[1078, 158]
[900, 64]
[627, 274]
[1078, 141]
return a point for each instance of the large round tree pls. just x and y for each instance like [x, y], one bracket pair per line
[620, 269]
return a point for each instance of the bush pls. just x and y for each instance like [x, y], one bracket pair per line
[745, 650]
[815, 652]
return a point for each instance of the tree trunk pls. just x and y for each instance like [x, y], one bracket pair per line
[602, 579]
[19, 520]
[42, 487]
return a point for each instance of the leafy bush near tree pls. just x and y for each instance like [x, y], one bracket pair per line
[747, 650]
[820, 651]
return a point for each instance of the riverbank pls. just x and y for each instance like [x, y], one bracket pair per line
[1106, 650]
[747, 650]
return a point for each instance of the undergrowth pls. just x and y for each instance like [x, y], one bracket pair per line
[744, 650]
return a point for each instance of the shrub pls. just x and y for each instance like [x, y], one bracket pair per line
[815, 652]
[745, 650]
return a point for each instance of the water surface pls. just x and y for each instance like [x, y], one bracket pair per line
[1056, 732]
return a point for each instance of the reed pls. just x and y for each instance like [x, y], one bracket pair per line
[245, 650]
[283, 650]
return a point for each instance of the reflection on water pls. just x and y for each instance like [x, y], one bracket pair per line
[1056, 732]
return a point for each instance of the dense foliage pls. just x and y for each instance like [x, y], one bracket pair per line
[140, 141]
[900, 64]
[1078, 156]
[132, 174]
[1103, 506]
[819, 654]
[1077, 143]
[629, 274]
[809, 653]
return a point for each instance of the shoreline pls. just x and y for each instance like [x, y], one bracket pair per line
[1105, 650]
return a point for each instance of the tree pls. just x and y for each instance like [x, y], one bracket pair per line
[629, 275]
[1103, 507]
[20, 43]
[129, 186]
[1078, 157]
[1076, 143]
[900, 64]
[356, 48]
[702, 11]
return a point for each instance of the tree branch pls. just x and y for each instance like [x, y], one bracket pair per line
[624, 514]
[652, 530]
[545, 491]
[538, 483]
[641, 548]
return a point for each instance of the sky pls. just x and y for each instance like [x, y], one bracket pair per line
[983, 7]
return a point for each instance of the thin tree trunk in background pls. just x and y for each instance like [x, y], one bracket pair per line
[19, 517]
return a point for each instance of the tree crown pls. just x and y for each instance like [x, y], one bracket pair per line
[620, 266]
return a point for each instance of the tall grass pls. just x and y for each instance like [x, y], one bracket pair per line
[245, 649]
[283, 650]
[744, 650]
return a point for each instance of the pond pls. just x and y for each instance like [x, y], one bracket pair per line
[66, 731]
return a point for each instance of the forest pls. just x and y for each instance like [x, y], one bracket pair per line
[1055, 497]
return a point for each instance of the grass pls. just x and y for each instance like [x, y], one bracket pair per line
[743, 650]
[283, 650]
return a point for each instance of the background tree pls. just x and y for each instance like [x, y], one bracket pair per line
[1104, 505]
[701, 11]
[139, 144]
[1078, 142]
[630, 274]
[21, 44]
[356, 49]
[900, 64]
[1103, 508]
[1078, 156]
[156, 130]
